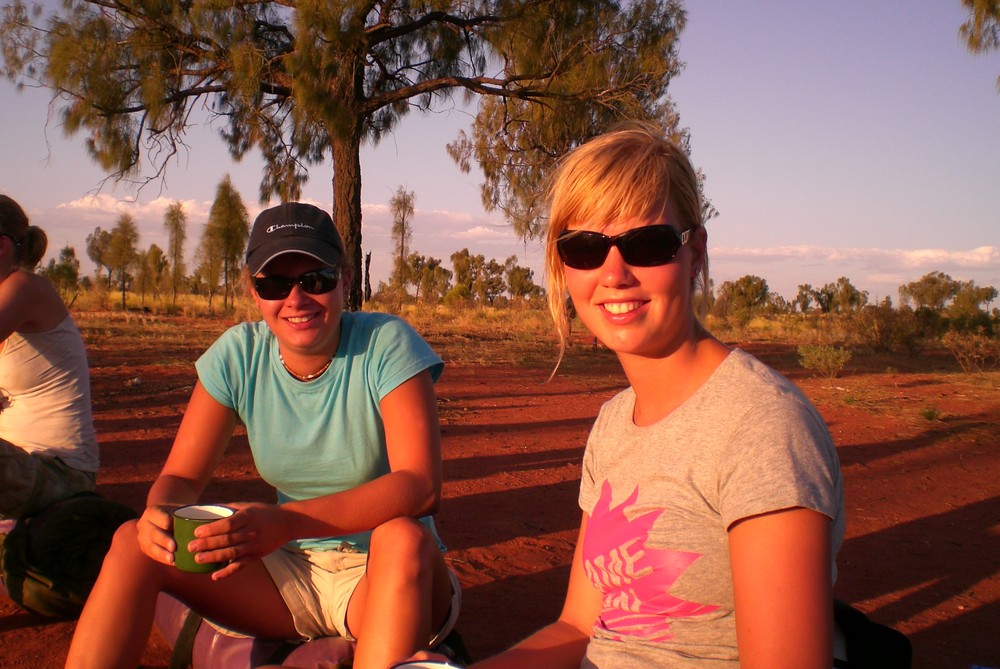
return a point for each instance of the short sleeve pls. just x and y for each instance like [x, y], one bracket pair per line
[223, 364]
[397, 353]
[780, 456]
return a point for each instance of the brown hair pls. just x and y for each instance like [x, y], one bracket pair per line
[30, 241]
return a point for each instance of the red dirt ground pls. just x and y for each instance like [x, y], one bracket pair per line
[919, 443]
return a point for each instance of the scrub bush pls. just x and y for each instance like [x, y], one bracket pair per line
[827, 360]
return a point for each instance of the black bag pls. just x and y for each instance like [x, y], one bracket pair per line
[870, 645]
[51, 559]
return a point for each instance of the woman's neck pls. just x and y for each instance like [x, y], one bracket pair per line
[299, 373]
[663, 384]
[307, 365]
[6, 269]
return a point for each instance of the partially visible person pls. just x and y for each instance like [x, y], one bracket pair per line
[712, 495]
[342, 420]
[48, 446]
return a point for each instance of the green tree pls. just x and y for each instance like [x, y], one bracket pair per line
[123, 251]
[520, 280]
[208, 264]
[742, 299]
[981, 31]
[229, 224]
[64, 274]
[175, 223]
[98, 243]
[489, 283]
[462, 262]
[151, 268]
[804, 298]
[141, 281]
[846, 298]
[825, 297]
[969, 308]
[933, 291]
[402, 207]
[429, 277]
[303, 81]
[776, 304]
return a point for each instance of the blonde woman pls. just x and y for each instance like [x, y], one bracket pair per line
[712, 499]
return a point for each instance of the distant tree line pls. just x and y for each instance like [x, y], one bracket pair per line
[123, 267]
[472, 280]
[120, 264]
[933, 309]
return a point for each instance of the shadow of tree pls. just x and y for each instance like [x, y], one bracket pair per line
[940, 571]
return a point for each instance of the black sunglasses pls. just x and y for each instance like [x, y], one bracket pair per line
[315, 282]
[648, 246]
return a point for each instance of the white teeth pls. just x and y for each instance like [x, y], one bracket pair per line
[299, 319]
[621, 307]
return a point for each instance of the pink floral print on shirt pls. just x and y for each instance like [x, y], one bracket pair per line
[634, 578]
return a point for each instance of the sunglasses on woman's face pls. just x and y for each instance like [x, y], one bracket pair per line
[648, 246]
[315, 282]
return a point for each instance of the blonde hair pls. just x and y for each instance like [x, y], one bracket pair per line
[30, 241]
[635, 172]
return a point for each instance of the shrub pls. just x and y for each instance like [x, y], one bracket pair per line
[975, 351]
[827, 360]
[885, 329]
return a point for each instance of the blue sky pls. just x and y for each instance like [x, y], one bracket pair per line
[853, 139]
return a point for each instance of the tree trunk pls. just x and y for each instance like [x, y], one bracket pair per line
[368, 276]
[347, 204]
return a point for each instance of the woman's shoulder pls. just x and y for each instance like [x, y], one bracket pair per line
[244, 336]
[749, 386]
[36, 302]
[373, 319]
[743, 368]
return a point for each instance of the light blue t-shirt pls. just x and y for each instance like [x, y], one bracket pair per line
[325, 436]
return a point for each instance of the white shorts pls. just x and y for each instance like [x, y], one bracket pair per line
[317, 587]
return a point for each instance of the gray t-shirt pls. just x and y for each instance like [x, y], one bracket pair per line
[661, 499]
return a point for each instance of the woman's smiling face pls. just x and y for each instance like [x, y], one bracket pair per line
[644, 311]
[303, 323]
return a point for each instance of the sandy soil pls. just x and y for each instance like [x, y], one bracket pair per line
[919, 442]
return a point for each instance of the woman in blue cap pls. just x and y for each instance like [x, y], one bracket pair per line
[341, 418]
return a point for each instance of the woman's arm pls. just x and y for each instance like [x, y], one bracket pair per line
[201, 440]
[783, 592]
[563, 643]
[412, 487]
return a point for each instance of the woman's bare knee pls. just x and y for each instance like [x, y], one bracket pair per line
[403, 539]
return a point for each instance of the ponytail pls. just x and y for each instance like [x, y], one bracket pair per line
[30, 241]
[31, 249]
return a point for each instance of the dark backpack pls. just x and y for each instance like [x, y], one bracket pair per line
[51, 559]
[870, 645]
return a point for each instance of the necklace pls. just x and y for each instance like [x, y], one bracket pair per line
[304, 377]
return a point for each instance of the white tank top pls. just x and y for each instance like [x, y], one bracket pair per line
[45, 396]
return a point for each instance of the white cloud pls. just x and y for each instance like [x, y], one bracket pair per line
[980, 257]
[484, 233]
